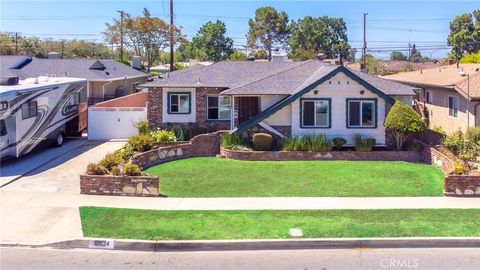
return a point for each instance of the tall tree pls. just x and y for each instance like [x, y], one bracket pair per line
[312, 35]
[237, 56]
[269, 28]
[398, 56]
[186, 51]
[144, 35]
[464, 34]
[211, 39]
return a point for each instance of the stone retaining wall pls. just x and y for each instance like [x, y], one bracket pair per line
[141, 186]
[462, 185]
[203, 145]
[434, 156]
[409, 156]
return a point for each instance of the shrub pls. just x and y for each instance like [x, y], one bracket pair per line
[473, 134]
[142, 127]
[414, 145]
[339, 142]
[402, 121]
[163, 136]
[295, 143]
[458, 168]
[111, 160]
[439, 129]
[125, 153]
[454, 143]
[115, 171]
[318, 142]
[131, 169]
[178, 131]
[363, 143]
[228, 141]
[469, 151]
[141, 143]
[96, 169]
[262, 142]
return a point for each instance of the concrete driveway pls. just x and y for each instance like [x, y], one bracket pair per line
[55, 174]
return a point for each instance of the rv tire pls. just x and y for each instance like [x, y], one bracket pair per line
[59, 139]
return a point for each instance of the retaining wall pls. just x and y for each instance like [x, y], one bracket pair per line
[140, 186]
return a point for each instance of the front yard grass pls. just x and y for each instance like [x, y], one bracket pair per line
[215, 177]
[274, 224]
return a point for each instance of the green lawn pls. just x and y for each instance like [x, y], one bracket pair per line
[193, 225]
[215, 177]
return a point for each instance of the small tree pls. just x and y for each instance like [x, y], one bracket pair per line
[403, 121]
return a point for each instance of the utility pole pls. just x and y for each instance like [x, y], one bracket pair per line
[16, 43]
[63, 48]
[364, 49]
[171, 35]
[121, 34]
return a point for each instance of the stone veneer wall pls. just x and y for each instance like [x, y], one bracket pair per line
[140, 186]
[200, 146]
[409, 156]
[462, 185]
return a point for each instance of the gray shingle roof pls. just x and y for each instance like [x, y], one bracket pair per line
[266, 78]
[225, 74]
[79, 68]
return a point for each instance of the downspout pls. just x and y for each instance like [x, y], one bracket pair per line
[103, 89]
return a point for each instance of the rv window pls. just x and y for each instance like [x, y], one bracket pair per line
[29, 109]
[74, 99]
[3, 128]
[3, 105]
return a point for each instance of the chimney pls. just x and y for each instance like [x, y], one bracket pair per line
[136, 62]
[53, 55]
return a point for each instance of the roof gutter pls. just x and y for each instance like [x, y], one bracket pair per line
[119, 78]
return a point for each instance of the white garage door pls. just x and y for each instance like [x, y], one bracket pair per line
[113, 123]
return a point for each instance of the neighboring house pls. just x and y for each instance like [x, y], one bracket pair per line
[394, 67]
[283, 98]
[451, 95]
[107, 79]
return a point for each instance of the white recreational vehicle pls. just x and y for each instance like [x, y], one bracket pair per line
[40, 110]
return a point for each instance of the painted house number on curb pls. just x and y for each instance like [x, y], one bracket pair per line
[104, 244]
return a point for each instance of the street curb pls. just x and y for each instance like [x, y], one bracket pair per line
[288, 244]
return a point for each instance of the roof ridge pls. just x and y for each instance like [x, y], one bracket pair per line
[271, 75]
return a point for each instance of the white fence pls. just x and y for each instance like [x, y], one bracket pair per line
[105, 123]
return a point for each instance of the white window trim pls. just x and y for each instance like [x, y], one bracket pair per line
[458, 105]
[218, 107]
[361, 114]
[315, 114]
[170, 95]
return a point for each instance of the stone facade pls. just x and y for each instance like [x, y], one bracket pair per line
[462, 185]
[200, 146]
[155, 109]
[140, 186]
[409, 156]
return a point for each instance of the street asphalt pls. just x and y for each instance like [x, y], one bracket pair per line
[420, 258]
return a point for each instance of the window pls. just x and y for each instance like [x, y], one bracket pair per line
[218, 108]
[29, 109]
[453, 106]
[3, 128]
[179, 103]
[361, 113]
[74, 99]
[3, 105]
[429, 97]
[315, 113]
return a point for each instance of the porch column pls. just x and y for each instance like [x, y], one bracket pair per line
[232, 114]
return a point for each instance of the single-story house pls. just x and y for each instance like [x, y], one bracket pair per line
[283, 98]
[450, 94]
[107, 79]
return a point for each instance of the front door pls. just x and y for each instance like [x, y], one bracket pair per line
[248, 107]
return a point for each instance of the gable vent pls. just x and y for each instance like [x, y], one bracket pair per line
[98, 66]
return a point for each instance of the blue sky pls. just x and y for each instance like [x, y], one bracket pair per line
[390, 24]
